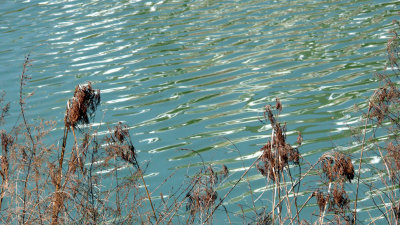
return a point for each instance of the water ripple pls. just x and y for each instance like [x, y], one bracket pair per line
[188, 74]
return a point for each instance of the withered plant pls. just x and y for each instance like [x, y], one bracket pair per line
[202, 196]
[119, 144]
[384, 117]
[274, 162]
[3, 107]
[79, 109]
[337, 169]
[24, 185]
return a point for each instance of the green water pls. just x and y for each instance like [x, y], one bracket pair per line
[196, 74]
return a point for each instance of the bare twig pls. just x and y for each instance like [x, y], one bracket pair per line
[359, 165]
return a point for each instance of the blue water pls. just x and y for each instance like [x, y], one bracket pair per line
[196, 74]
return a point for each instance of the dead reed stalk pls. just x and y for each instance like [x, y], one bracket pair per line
[121, 145]
[6, 141]
[79, 110]
[360, 163]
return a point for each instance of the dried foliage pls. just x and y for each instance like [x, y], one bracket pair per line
[202, 195]
[337, 166]
[277, 154]
[322, 200]
[4, 108]
[120, 144]
[385, 117]
[384, 102]
[82, 106]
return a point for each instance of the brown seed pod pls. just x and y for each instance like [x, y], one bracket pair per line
[278, 104]
[82, 106]
[337, 166]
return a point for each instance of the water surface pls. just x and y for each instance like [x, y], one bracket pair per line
[196, 74]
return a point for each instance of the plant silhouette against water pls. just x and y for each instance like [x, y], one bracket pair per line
[52, 184]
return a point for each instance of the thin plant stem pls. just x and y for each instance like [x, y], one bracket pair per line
[326, 205]
[359, 165]
[295, 197]
[299, 180]
[148, 193]
[230, 190]
[76, 145]
[288, 206]
[59, 178]
[274, 194]
[33, 150]
[227, 215]
[298, 212]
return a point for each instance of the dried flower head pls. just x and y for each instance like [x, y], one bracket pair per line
[82, 106]
[225, 171]
[278, 105]
[336, 165]
[340, 198]
[299, 139]
[6, 141]
[121, 132]
[4, 108]
[276, 154]
[120, 144]
[268, 112]
[322, 200]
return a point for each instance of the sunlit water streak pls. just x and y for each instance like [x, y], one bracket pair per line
[196, 74]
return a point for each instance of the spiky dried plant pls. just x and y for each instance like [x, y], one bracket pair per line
[277, 153]
[202, 196]
[4, 108]
[337, 166]
[82, 106]
[6, 141]
[119, 144]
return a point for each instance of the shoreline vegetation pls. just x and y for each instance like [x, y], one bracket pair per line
[60, 184]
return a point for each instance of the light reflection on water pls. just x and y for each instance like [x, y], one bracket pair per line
[189, 74]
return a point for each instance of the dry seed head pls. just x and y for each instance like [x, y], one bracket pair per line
[340, 198]
[322, 200]
[82, 106]
[393, 156]
[208, 198]
[4, 168]
[213, 179]
[299, 139]
[6, 141]
[73, 162]
[121, 132]
[261, 169]
[268, 111]
[276, 155]
[279, 137]
[294, 155]
[393, 94]
[278, 105]
[4, 111]
[336, 165]
[119, 143]
[225, 171]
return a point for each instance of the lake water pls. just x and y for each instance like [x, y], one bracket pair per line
[195, 74]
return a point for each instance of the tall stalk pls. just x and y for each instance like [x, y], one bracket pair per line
[359, 165]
